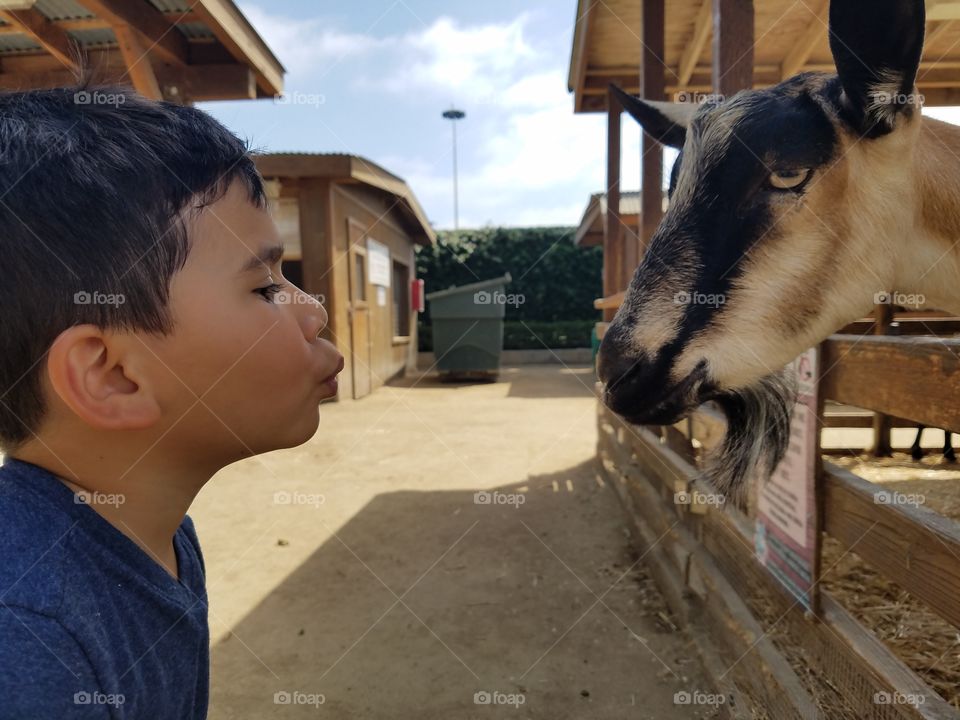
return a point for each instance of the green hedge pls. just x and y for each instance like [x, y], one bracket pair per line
[531, 335]
[557, 280]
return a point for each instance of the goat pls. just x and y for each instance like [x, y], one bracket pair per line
[916, 451]
[790, 209]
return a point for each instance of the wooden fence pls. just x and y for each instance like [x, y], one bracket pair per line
[703, 555]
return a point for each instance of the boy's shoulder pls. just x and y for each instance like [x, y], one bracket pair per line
[36, 537]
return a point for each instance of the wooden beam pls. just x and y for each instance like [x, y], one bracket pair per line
[944, 11]
[934, 33]
[912, 545]
[732, 46]
[652, 87]
[800, 52]
[612, 230]
[701, 33]
[869, 371]
[242, 41]
[53, 39]
[209, 82]
[200, 82]
[157, 31]
[135, 57]
[579, 61]
[881, 422]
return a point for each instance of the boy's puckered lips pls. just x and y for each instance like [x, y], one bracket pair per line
[331, 380]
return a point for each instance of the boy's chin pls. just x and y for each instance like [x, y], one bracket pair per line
[291, 435]
[300, 432]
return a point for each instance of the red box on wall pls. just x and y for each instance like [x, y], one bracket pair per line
[416, 295]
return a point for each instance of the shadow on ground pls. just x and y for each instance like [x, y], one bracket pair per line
[566, 382]
[424, 599]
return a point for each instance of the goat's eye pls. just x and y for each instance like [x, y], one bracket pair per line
[789, 179]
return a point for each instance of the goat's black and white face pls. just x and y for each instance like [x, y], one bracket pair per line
[780, 201]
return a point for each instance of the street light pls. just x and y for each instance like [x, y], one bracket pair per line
[453, 115]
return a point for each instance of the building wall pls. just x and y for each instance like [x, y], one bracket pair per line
[325, 211]
[389, 356]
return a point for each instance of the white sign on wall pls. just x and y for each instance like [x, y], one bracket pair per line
[379, 263]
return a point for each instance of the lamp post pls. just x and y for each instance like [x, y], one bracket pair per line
[453, 115]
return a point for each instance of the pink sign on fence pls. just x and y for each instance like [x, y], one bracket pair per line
[786, 526]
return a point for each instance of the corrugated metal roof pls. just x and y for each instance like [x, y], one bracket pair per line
[63, 9]
[171, 5]
[194, 30]
[629, 203]
[18, 42]
[95, 38]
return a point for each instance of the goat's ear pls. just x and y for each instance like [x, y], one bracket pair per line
[877, 47]
[665, 122]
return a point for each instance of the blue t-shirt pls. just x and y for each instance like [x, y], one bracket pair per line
[90, 625]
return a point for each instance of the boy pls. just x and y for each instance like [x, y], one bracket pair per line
[149, 339]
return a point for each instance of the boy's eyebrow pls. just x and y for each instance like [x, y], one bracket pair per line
[268, 256]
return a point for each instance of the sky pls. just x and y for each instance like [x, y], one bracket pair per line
[373, 77]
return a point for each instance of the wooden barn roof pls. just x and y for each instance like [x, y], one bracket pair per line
[180, 50]
[791, 37]
[590, 231]
[351, 169]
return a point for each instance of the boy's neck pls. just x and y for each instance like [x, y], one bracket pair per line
[145, 502]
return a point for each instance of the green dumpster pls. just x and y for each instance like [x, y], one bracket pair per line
[467, 324]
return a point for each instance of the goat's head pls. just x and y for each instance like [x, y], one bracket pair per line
[780, 203]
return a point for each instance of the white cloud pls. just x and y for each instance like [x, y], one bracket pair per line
[307, 46]
[472, 61]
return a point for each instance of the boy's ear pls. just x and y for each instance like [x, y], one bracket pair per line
[665, 122]
[877, 48]
[87, 371]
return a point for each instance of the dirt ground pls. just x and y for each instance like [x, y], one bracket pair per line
[360, 576]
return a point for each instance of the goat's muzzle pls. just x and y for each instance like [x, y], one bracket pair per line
[640, 389]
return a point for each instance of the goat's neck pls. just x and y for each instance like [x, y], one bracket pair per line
[929, 261]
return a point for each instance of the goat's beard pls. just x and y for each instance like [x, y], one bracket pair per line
[757, 437]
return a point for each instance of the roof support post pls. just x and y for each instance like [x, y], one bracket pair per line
[732, 46]
[612, 227]
[652, 87]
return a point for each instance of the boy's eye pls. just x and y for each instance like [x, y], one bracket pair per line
[268, 291]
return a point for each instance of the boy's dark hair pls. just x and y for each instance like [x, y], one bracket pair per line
[96, 187]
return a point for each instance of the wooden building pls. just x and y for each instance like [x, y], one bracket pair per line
[178, 50]
[678, 49]
[590, 233]
[349, 229]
